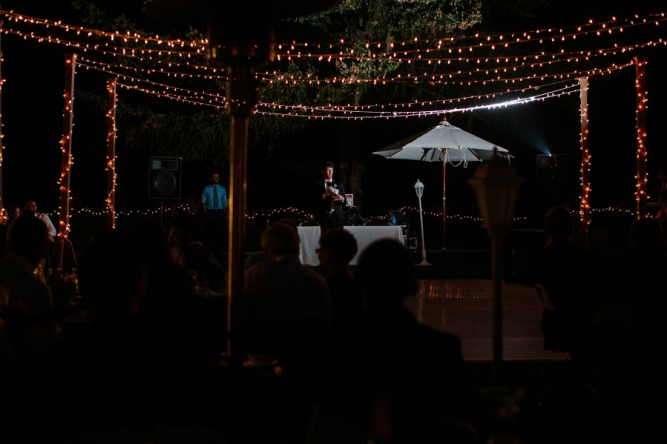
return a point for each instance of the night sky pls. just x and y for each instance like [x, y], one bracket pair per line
[32, 118]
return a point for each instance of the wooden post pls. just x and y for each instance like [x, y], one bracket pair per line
[444, 199]
[66, 146]
[241, 97]
[111, 154]
[585, 206]
[2, 206]
[642, 177]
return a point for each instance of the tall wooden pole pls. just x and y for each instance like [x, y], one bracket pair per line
[66, 146]
[241, 97]
[642, 177]
[2, 206]
[585, 160]
[111, 154]
[444, 198]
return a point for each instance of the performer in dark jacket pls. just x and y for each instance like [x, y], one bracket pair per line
[329, 199]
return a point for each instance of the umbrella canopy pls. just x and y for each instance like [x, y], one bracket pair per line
[444, 142]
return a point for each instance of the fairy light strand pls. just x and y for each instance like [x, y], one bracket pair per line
[66, 147]
[395, 55]
[642, 175]
[537, 35]
[585, 156]
[111, 154]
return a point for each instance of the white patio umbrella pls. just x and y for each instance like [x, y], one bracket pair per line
[443, 143]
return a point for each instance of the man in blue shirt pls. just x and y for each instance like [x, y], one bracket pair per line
[214, 204]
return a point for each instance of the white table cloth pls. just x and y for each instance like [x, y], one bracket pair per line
[310, 240]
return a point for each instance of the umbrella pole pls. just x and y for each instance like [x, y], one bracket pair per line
[444, 198]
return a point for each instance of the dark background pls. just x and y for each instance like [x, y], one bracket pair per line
[32, 118]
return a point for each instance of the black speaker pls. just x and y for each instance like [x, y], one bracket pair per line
[164, 177]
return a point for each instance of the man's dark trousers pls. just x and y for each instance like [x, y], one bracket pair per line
[215, 224]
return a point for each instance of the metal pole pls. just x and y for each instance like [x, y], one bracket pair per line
[444, 198]
[66, 147]
[496, 276]
[421, 222]
[111, 154]
[2, 206]
[642, 177]
[585, 207]
[241, 97]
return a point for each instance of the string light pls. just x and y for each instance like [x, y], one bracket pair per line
[533, 35]
[433, 78]
[380, 114]
[485, 40]
[585, 155]
[642, 175]
[119, 51]
[99, 33]
[111, 153]
[405, 114]
[214, 97]
[501, 44]
[523, 62]
[3, 212]
[329, 108]
[66, 147]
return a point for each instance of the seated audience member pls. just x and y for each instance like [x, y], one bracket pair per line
[258, 257]
[286, 303]
[115, 374]
[557, 266]
[390, 377]
[31, 206]
[337, 248]
[288, 314]
[12, 213]
[29, 328]
[13, 402]
[185, 239]
[166, 285]
[634, 275]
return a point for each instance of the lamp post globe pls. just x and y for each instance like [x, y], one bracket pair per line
[419, 189]
[496, 184]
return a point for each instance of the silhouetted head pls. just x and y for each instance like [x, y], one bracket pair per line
[337, 246]
[13, 212]
[286, 221]
[280, 240]
[559, 223]
[184, 230]
[645, 231]
[153, 237]
[30, 205]
[386, 274]
[112, 272]
[29, 238]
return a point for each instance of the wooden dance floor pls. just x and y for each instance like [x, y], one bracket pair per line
[463, 307]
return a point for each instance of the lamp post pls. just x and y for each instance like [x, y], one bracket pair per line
[496, 184]
[419, 189]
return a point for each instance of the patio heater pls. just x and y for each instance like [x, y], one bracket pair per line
[496, 184]
[419, 189]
